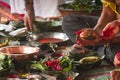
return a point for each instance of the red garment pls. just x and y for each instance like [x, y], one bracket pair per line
[7, 6]
[4, 4]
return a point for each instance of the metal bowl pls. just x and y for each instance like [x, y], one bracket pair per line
[48, 25]
[91, 58]
[20, 53]
[58, 35]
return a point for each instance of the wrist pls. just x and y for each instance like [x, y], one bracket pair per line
[117, 22]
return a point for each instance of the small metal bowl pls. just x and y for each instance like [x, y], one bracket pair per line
[80, 55]
[20, 53]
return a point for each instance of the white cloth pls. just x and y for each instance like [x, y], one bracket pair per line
[42, 8]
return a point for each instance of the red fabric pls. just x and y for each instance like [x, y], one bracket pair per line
[22, 15]
[4, 4]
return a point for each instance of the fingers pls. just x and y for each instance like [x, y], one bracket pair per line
[117, 59]
[115, 75]
[87, 37]
[90, 42]
[110, 30]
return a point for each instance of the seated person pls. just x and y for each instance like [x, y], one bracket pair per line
[35, 8]
[107, 25]
[43, 9]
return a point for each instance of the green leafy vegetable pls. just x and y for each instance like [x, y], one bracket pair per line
[88, 5]
[5, 62]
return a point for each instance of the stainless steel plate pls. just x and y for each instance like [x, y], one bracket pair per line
[58, 35]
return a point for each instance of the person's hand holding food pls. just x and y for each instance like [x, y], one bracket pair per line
[115, 75]
[87, 37]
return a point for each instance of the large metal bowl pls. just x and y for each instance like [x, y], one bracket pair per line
[20, 53]
[57, 35]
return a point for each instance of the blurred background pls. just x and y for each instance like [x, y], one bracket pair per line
[66, 1]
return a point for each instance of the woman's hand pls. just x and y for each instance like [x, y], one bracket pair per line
[115, 75]
[117, 60]
[88, 37]
[110, 30]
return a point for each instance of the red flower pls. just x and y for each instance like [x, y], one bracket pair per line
[48, 63]
[12, 76]
[69, 78]
[78, 32]
[79, 42]
[58, 67]
[55, 64]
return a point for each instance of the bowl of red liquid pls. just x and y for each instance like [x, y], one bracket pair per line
[49, 37]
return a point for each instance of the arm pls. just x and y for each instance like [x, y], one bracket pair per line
[107, 16]
[30, 15]
[109, 24]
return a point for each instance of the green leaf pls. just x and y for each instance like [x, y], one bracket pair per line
[38, 66]
[2, 56]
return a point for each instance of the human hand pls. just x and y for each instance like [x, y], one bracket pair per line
[117, 60]
[110, 30]
[115, 75]
[87, 37]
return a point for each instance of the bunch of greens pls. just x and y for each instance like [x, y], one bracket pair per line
[5, 62]
[88, 5]
[58, 65]
[17, 24]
